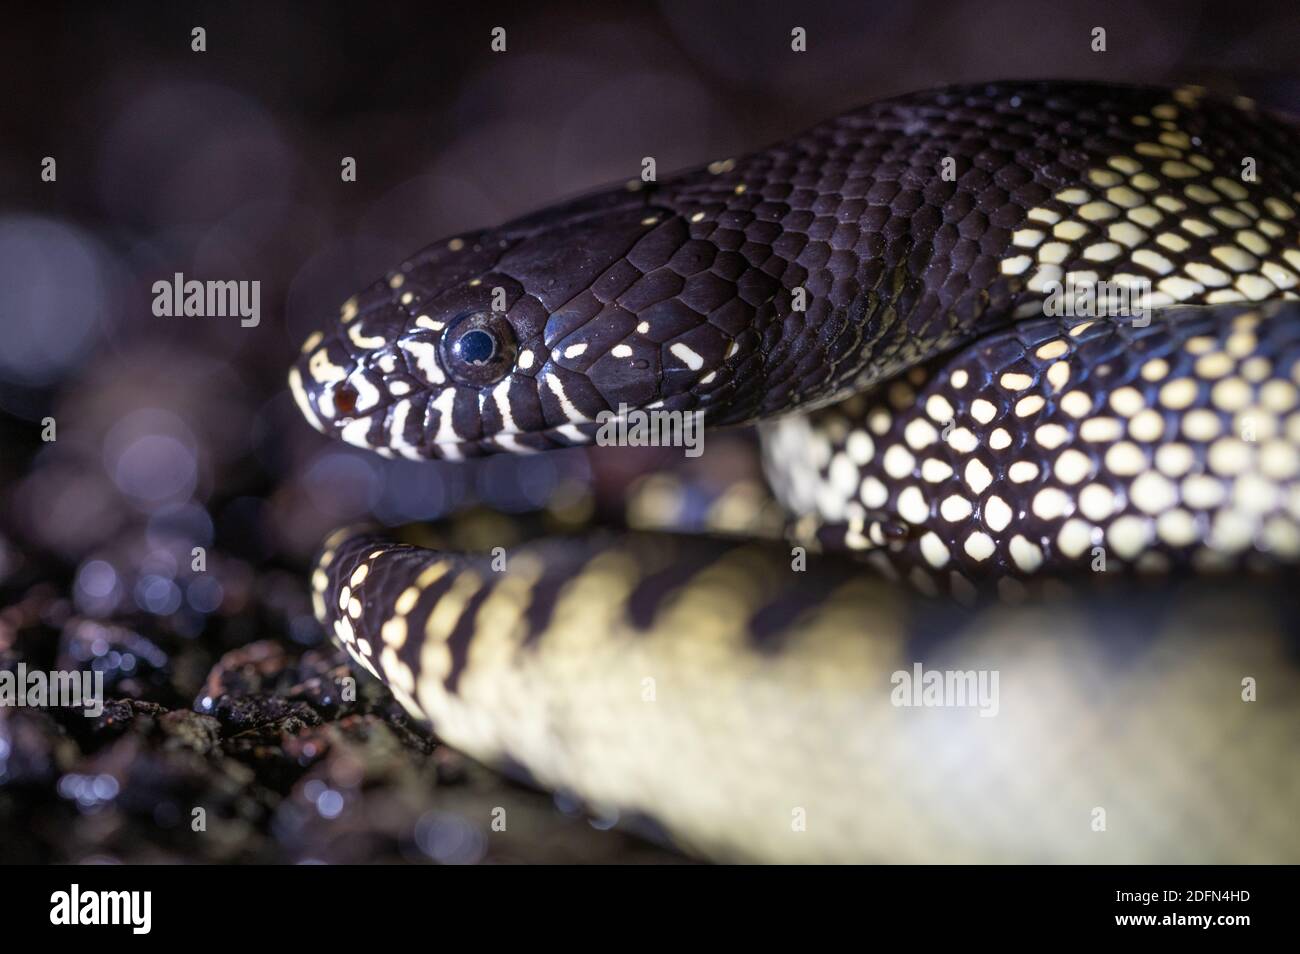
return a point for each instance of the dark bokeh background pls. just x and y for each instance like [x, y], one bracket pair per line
[175, 433]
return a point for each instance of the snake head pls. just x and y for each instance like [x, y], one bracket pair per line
[519, 338]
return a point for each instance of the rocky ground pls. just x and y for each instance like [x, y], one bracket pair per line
[211, 752]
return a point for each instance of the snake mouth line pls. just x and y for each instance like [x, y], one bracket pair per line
[395, 402]
[355, 430]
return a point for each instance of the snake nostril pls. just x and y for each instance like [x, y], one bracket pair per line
[345, 400]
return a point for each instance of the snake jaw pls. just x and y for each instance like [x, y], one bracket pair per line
[600, 304]
[396, 399]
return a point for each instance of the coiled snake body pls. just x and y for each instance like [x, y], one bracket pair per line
[917, 280]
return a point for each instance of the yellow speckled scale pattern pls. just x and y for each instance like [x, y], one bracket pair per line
[1174, 209]
[748, 709]
[1058, 444]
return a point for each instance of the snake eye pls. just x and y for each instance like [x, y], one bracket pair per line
[479, 349]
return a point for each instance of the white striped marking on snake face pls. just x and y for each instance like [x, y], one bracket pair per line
[510, 442]
[557, 388]
[355, 431]
[302, 400]
[443, 404]
[323, 370]
[501, 395]
[621, 351]
[361, 340]
[397, 432]
[425, 356]
[367, 394]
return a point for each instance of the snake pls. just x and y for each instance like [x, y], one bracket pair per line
[1024, 362]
